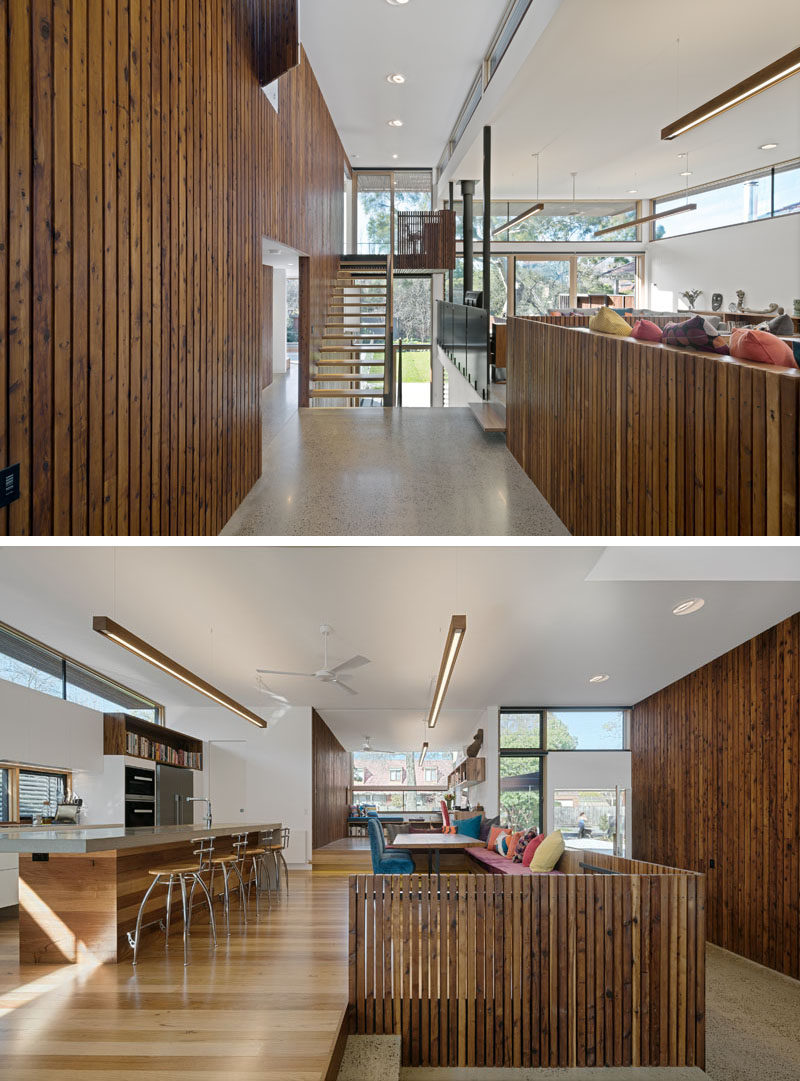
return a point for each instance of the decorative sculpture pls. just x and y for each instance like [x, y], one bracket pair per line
[716, 302]
[691, 296]
[773, 309]
[477, 743]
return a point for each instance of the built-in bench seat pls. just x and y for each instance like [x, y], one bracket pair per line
[495, 864]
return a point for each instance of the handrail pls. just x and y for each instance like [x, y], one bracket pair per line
[388, 371]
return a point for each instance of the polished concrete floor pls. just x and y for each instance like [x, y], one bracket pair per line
[385, 472]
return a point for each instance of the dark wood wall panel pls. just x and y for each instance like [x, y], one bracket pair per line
[716, 776]
[626, 437]
[140, 166]
[266, 326]
[331, 782]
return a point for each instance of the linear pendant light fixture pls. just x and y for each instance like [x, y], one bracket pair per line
[537, 208]
[762, 80]
[109, 629]
[424, 752]
[647, 217]
[455, 636]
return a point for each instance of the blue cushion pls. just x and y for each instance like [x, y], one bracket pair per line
[470, 827]
[395, 865]
[796, 351]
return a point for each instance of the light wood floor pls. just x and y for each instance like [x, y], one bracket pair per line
[268, 1004]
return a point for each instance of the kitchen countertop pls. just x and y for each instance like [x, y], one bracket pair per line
[83, 839]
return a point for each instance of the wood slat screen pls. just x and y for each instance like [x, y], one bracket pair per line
[140, 167]
[630, 438]
[583, 320]
[426, 240]
[567, 970]
[716, 777]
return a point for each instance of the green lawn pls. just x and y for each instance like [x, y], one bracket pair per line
[416, 366]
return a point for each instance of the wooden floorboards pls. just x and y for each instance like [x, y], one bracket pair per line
[268, 1004]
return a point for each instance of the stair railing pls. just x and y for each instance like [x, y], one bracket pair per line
[388, 354]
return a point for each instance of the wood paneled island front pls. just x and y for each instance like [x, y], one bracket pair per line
[80, 887]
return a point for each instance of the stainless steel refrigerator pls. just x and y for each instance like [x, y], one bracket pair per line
[173, 785]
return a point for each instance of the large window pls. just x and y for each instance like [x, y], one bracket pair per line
[591, 819]
[559, 221]
[31, 664]
[521, 757]
[379, 197]
[27, 793]
[754, 196]
[585, 730]
[394, 781]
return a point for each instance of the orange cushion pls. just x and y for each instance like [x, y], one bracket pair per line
[494, 833]
[512, 843]
[762, 347]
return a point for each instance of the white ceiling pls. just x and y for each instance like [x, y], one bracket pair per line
[540, 621]
[604, 78]
[437, 44]
[280, 257]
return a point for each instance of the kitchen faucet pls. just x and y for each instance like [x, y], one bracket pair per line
[202, 799]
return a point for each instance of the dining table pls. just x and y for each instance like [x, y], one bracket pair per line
[433, 844]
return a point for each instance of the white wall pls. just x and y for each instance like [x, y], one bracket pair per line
[459, 391]
[587, 770]
[255, 774]
[488, 793]
[279, 360]
[763, 258]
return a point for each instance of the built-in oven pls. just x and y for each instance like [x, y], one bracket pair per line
[140, 782]
[140, 812]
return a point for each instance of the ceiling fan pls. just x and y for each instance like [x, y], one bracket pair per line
[324, 674]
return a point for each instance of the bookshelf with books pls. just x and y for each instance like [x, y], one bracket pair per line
[131, 736]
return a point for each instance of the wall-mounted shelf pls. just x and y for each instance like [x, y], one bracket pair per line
[131, 736]
[469, 772]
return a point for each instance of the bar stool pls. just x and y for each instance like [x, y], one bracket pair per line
[258, 869]
[277, 846]
[233, 864]
[180, 873]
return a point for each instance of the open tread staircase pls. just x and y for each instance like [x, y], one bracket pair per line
[352, 349]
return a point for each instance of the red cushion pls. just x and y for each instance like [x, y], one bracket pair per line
[445, 816]
[762, 347]
[646, 331]
[530, 848]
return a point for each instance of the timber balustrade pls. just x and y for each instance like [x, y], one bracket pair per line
[426, 240]
[568, 970]
[634, 438]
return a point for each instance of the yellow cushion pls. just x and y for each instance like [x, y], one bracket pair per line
[548, 853]
[608, 322]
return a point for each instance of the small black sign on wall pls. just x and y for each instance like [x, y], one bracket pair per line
[9, 484]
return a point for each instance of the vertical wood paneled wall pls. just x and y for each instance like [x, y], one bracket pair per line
[630, 438]
[140, 165]
[716, 776]
[331, 783]
[567, 970]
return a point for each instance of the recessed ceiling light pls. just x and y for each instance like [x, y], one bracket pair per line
[768, 146]
[395, 155]
[686, 172]
[685, 608]
[395, 78]
[601, 677]
[397, 3]
[395, 123]
[633, 191]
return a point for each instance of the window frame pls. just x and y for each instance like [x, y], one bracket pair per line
[65, 661]
[14, 769]
[626, 728]
[724, 182]
[536, 751]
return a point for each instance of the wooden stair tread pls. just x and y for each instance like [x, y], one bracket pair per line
[342, 377]
[490, 415]
[352, 349]
[335, 392]
[343, 362]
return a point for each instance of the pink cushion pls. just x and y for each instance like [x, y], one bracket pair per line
[445, 816]
[646, 331]
[530, 848]
[762, 347]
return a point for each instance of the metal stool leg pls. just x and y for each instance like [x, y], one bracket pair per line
[241, 890]
[254, 873]
[185, 919]
[169, 910]
[199, 882]
[226, 900]
[137, 932]
[286, 872]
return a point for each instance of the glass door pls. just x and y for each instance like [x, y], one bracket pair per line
[374, 213]
[412, 326]
[542, 285]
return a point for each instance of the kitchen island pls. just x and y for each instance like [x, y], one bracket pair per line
[80, 887]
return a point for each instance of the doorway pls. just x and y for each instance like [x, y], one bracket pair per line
[413, 319]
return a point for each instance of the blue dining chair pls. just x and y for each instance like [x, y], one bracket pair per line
[399, 863]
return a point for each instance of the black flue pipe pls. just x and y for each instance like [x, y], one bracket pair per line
[467, 195]
[487, 218]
